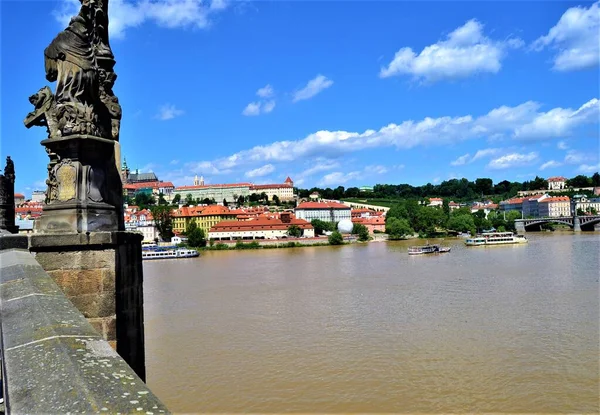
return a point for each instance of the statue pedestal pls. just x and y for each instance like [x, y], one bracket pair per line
[85, 193]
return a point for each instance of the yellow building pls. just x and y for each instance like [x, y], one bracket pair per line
[205, 217]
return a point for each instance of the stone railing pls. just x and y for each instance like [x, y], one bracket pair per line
[53, 361]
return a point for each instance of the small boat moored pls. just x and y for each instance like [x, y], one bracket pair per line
[170, 254]
[427, 249]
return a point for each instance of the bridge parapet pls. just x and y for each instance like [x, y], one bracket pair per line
[53, 361]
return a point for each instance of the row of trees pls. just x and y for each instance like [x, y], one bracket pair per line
[409, 217]
[458, 189]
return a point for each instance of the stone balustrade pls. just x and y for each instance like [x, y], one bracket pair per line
[53, 360]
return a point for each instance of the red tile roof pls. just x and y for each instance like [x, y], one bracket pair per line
[148, 185]
[555, 199]
[373, 220]
[213, 210]
[322, 205]
[288, 180]
[207, 186]
[261, 223]
[19, 196]
[556, 179]
[271, 186]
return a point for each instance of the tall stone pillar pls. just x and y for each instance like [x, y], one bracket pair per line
[7, 199]
[576, 224]
[520, 226]
[80, 239]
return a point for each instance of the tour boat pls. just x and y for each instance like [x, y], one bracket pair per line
[171, 253]
[427, 249]
[496, 238]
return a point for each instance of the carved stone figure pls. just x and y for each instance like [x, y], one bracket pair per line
[81, 62]
[7, 199]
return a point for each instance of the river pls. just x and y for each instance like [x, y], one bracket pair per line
[366, 328]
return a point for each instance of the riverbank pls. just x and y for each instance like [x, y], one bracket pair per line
[270, 244]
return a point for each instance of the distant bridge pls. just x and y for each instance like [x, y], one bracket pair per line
[578, 223]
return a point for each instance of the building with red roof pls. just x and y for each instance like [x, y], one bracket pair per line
[372, 223]
[555, 206]
[259, 228]
[556, 183]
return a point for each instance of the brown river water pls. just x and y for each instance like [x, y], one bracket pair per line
[366, 328]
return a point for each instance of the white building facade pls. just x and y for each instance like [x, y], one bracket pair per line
[555, 207]
[325, 211]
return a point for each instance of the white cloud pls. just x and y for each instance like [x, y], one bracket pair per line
[550, 164]
[338, 178]
[464, 159]
[576, 37]
[465, 52]
[558, 122]
[319, 166]
[174, 162]
[513, 160]
[461, 160]
[265, 92]
[168, 112]
[436, 180]
[589, 168]
[575, 157]
[251, 109]
[261, 171]
[257, 108]
[437, 132]
[312, 88]
[125, 14]
[562, 145]
[268, 106]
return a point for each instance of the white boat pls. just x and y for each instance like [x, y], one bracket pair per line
[496, 238]
[171, 253]
[427, 249]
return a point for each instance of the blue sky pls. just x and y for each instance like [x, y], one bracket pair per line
[329, 93]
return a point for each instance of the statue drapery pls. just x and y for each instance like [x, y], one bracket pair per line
[81, 62]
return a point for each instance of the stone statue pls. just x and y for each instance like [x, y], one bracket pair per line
[7, 199]
[81, 62]
[82, 118]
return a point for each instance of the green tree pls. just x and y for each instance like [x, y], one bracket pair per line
[241, 200]
[484, 186]
[162, 200]
[163, 221]
[264, 197]
[196, 236]
[446, 207]
[538, 183]
[462, 223]
[322, 226]
[397, 228]
[143, 200]
[294, 231]
[361, 231]
[189, 199]
[579, 181]
[276, 200]
[225, 202]
[596, 179]
[176, 199]
[336, 238]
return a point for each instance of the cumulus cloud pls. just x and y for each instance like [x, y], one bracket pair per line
[589, 168]
[576, 38]
[265, 92]
[461, 160]
[562, 145]
[312, 88]
[466, 51]
[125, 14]
[337, 178]
[464, 159]
[168, 112]
[513, 160]
[550, 164]
[262, 106]
[261, 171]
[505, 121]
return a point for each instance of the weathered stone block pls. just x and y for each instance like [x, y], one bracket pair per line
[108, 280]
[78, 282]
[110, 331]
[84, 259]
[98, 325]
[95, 305]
